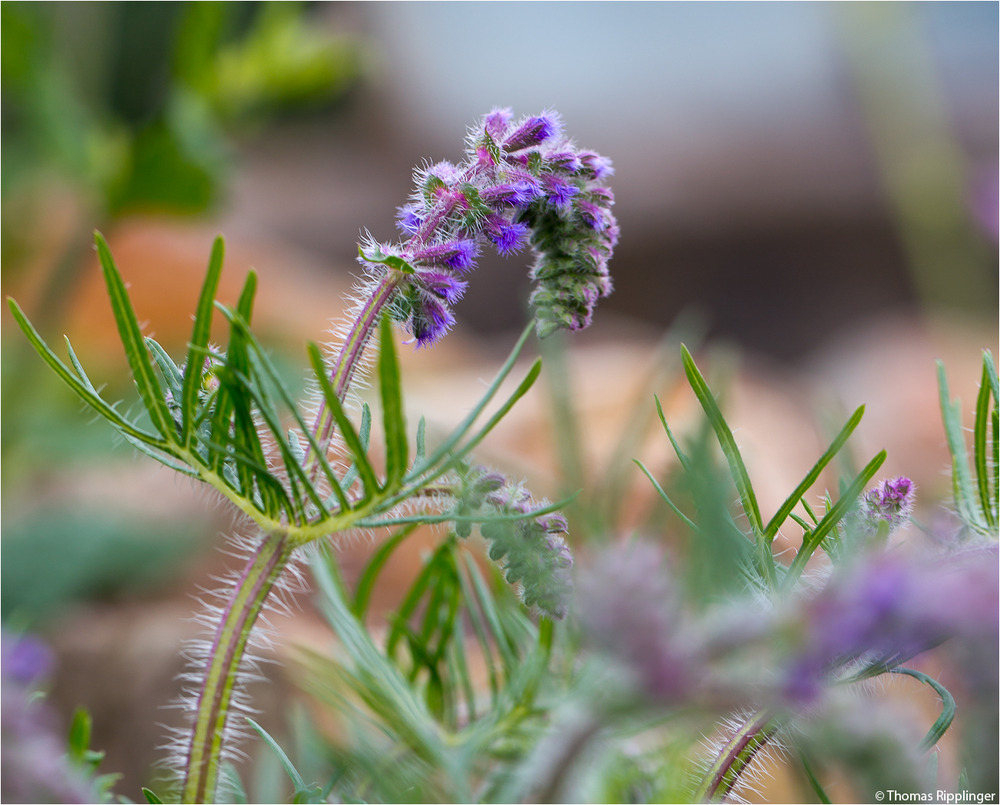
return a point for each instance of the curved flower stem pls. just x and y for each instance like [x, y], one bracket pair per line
[736, 755]
[225, 659]
[349, 357]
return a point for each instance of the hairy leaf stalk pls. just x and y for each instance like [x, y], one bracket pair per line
[254, 585]
[735, 757]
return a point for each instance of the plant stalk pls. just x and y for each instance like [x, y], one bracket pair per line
[225, 659]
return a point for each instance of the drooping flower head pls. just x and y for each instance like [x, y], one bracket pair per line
[522, 183]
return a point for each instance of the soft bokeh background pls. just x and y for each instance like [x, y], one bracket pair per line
[812, 186]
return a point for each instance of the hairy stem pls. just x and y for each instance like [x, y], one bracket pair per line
[225, 659]
[350, 356]
[735, 756]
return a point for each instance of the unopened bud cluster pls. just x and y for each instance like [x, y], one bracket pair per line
[531, 550]
[521, 183]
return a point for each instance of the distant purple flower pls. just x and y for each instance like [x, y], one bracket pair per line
[889, 503]
[631, 611]
[889, 608]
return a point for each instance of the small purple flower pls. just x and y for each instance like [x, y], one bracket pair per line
[457, 254]
[514, 194]
[497, 121]
[889, 503]
[408, 219]
[508, 237]
[596, 166]
[558, 190]
[447, 287]
[431, 319]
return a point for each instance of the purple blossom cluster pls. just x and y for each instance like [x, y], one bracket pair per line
[875, 612]
[521, 183]
[531, 549]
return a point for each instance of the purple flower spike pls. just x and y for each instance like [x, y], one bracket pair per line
[533, 132]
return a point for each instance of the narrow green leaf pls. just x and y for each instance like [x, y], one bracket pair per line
[476, 619]
[171, 373]
[366, 582]
[81, 385]
[948, 707]
[502, 411]
[981, 451]
[351, 438]
[681, 456]
[264, 368]
[783, 511]
[963, 489]
[135, 345]
[726, 440]
[666, 498]
[393, 420]
[151, 797]
[421, 441]
[200, 333]
[812, 540]
[442, 452]
[79, 735]
[487, 605]
[286, 763]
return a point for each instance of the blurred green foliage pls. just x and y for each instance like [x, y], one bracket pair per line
[133, 102]
[131, 107]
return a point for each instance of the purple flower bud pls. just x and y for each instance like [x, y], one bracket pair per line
[496, 122]
[445, 286]
[516, 194]
[508, 236]
[532, 132]
[568, 161]
[457, 254]
[591, 214]
[431, 320]
[596, 166]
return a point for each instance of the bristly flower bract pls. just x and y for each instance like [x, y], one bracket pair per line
[521, 184]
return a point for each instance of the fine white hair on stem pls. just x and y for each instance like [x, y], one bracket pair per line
[198, 653]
